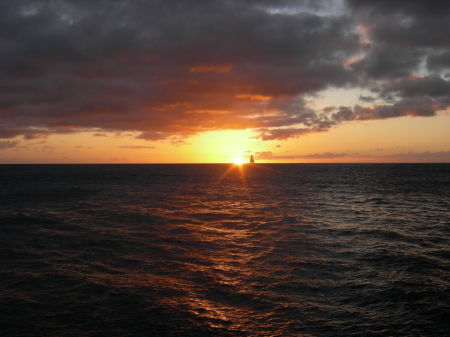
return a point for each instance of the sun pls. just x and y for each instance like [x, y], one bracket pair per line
[238, 161]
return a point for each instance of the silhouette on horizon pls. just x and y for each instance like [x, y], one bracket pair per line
[252, 161]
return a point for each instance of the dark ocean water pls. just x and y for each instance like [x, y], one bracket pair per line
[185, 250]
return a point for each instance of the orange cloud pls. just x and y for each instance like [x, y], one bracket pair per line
[208, 111]
[254, 97]
[352, 59]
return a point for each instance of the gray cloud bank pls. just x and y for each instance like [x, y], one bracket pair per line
[176, 68]
[7, 144]
[413, 157]
[137, 147]
[268, 155]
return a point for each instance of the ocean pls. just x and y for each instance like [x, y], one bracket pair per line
[222, 250]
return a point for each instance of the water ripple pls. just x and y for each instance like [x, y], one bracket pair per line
[171, 250]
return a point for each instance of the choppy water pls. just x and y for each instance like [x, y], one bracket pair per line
[185, 250]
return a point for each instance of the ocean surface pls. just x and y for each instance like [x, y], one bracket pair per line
[219, 250]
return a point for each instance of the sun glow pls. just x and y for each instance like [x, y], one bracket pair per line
[238, 161]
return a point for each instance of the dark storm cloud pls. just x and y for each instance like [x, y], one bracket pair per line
[439, 61]
[389, 7]
[168, 69]
[390, 62]
[417, 23]
[430, 86]
[403, 33]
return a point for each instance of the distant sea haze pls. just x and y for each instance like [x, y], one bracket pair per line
[222, 250]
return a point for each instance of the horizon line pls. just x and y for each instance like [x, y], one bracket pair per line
[230, 163]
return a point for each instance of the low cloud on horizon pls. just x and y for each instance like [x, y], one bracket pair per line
[136, 147]
[428, 156]
[8, 144]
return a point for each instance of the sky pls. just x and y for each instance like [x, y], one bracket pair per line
[157, 81]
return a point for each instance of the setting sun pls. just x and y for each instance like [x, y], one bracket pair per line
[238, 161]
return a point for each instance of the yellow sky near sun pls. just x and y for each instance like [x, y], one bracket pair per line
[362, 141]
